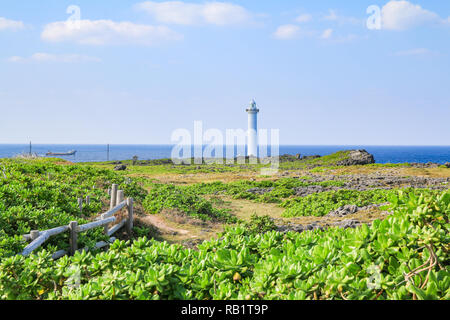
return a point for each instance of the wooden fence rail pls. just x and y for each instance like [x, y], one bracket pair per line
[117, 203]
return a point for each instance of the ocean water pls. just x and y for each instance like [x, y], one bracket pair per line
[88, 153]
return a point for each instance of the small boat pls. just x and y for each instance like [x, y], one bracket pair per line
[70, 153]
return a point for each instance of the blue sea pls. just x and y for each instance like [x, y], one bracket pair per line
[85, 153]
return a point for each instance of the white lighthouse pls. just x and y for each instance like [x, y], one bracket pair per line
[252, 144]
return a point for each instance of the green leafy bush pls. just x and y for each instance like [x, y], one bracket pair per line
[260, 224]
[320, 204]
[281, 189]
[402, 257]
[40, 194]
[165, 196]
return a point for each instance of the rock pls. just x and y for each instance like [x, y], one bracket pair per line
[343, 211]
[310, 157]
[305, 191]
[366, 182]
[120, 167]
[259, 191]
[192, 243]
[447, 164]
[313, 226]
[424, 165]
[351, 223]
[357, 157]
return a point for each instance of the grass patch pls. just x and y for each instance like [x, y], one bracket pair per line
[187, 201]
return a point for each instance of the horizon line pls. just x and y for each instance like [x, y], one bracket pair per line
[287, 144]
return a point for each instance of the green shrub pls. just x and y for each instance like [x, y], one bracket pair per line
[40, 194]
[260, 224]
[403, 257]
[320, 204]
[165, 196]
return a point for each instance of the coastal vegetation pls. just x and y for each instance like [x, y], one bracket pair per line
[187, 201]
[402, 257]
[322, 228]
[42, 194]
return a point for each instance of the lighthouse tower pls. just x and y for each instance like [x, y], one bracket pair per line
[252, 145]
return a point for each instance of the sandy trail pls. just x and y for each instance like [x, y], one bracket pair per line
[159, 223]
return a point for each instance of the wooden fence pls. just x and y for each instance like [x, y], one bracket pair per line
[117, 203]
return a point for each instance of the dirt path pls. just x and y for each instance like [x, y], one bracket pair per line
[243, 209]
[158, 222]
[176, 229]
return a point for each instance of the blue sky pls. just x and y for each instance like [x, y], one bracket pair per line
[133, 72]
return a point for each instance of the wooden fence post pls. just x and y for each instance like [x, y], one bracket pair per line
[73, 237]
[112, 203]
[88, 200]
[34, 234]
[129, 225]
[113, 196]
[120, 197]
[80, 204]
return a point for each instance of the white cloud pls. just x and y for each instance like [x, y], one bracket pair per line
[48, 57]
[349, 38]
[107, 32]
[303, 18]
[178, 12]
[332, 15]
[287, 31]
[6, 24]
[335, 17]
[414, 52]
[327, 34]
[402, 15]
[16, 59]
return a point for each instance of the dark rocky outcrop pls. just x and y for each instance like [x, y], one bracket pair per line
[259, 191]
[120, 167]
[424, 165]
[299, 227]
[357, 157]
[305, 191]
[351, 209]
[350, 223]
[316, 156]
[343, 211]
[376, 181]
